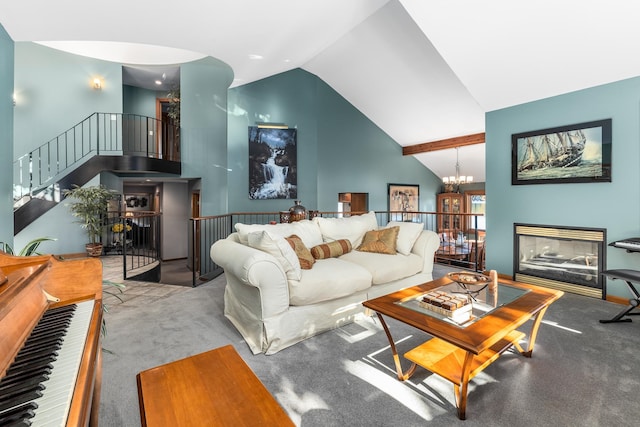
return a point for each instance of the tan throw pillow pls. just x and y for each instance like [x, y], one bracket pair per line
[380, 241]
[331, 249]
[304, 256]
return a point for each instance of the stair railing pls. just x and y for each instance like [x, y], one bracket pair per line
[35, 173]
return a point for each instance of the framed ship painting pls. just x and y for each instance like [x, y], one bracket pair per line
[565, 154]
[403, 201]
[273, 168]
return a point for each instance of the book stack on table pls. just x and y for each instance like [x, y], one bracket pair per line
[458, 308]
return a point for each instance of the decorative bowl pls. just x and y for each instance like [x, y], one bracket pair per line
[466, 278]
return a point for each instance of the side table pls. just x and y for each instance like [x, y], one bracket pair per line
[215, 388]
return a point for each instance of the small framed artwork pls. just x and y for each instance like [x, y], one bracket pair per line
[565, 154]
[403, 202]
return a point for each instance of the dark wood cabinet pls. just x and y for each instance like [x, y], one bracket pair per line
[449, 206]
[356, 202]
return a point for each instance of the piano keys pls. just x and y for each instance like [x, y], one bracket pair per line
[50, 360]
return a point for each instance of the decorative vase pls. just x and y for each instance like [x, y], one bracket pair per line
[297, 212]
[94, 249]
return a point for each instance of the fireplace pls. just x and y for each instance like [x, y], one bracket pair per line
[566, 258]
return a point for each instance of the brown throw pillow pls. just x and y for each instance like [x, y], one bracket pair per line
[332, 249]
[380, 241]
[305, 257]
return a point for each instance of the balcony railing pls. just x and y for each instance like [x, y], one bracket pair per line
[136, 237]
[466, 250]
[35, 173]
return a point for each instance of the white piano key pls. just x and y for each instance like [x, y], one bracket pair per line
[53, 406]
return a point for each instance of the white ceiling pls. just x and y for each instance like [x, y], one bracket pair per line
[421, 70]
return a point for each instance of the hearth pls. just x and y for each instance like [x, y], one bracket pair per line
[566, 258]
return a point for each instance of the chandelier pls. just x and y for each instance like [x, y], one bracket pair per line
[458, 179]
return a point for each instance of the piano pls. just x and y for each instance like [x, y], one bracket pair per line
[50, 331]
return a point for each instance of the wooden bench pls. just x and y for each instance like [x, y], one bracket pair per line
[215, 388]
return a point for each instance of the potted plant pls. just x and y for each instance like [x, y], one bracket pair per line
[89, 205]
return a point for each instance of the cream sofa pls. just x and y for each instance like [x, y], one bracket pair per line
[274, 303]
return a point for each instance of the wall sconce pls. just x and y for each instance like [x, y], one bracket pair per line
[13, 97]
[97, 84]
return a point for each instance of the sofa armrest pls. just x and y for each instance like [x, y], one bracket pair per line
[426, 247]
[247, 266]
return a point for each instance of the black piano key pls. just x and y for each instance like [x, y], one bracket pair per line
[45, 329]
[38, 375]
[53, 324]
[43, 343]
[12, 401]
[19, 415]
[38, 370]
[32, 364]
[34, 355]
[27, 384]
[18, 423]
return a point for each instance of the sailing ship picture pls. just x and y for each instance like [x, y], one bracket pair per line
[273, 170]
[575, 153]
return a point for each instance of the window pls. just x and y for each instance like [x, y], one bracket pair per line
[475, 204]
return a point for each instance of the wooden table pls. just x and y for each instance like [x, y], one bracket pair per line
[459, 352]
[451, 251]
[215, 388]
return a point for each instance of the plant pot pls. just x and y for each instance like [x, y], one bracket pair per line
[94, 249]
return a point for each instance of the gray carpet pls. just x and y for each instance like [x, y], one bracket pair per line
[582, 372]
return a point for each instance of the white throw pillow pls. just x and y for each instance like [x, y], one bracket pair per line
[307, 230]
[280, 249]
[409, 233]
[352, 228]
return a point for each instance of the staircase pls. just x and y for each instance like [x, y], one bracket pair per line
[102, 142]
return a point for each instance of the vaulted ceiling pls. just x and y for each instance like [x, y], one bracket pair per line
[421, 70]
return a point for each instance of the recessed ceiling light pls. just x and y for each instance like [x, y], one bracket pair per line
[158, 82]
[254, 56]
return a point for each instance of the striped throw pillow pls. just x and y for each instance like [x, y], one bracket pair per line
[331, 249]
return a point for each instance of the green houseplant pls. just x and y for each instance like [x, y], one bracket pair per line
[89, 206]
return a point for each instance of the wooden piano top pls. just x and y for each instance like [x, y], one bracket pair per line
[31, 285]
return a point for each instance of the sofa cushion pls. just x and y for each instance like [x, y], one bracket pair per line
[381, 241]
[330, 278]
[352, 228]
[307, 230]
[385, 268]
[407, 236]
[280, 249]
[303, 254]
[332, 249]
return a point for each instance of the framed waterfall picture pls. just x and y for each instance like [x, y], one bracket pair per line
[565, 154]
[273, 169]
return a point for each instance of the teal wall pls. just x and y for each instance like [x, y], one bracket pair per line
[614, 206]
[203, 129]
[339, 149]
[139, 101]
[6, 137]
[54, 89]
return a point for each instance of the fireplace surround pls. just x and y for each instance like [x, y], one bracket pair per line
[560, 257]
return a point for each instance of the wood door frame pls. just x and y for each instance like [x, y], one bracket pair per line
[195, 213]
[159, 102]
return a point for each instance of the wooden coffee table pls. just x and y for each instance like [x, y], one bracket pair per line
[458, 352]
